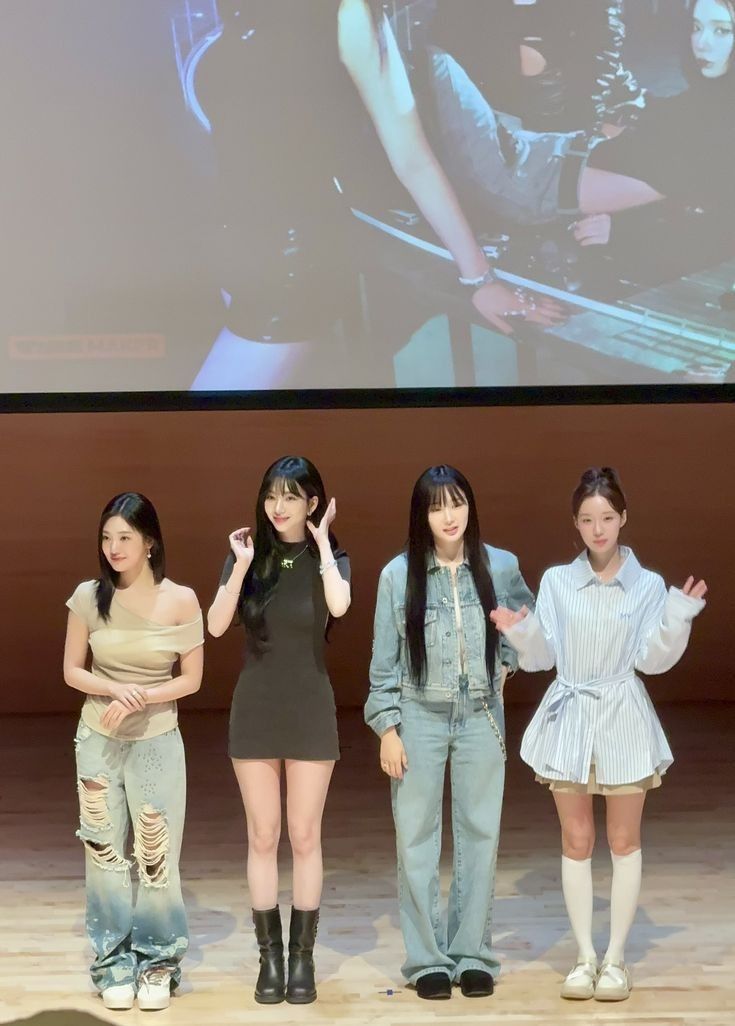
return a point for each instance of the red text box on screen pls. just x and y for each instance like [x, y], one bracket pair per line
[87, 347]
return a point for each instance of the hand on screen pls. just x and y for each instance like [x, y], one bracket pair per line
[321, 533]
[504, 618]
[498, 304]
[242, 546]
[593, 230]
[698, 590]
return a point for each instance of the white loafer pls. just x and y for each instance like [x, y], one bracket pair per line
[579, 984]
[119, 997]
[613, 983]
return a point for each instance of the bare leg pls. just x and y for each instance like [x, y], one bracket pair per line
[307, 792]
[260, 787]
[606, 192]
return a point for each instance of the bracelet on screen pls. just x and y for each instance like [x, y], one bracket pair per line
[327, 566]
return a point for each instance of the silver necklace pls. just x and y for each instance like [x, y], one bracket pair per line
[287, 564]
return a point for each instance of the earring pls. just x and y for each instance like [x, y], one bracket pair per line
[149, 553]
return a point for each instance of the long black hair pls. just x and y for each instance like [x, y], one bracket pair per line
[299, 476]
[140, 515]
[435, 486]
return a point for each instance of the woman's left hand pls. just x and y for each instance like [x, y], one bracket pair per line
[697, 591]
[114, 714]
[321, 533]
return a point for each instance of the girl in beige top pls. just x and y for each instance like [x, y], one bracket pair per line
[130, 756]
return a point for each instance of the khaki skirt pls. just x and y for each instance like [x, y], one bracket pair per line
[592, 786]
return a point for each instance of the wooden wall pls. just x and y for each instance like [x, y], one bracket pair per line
[202, 470]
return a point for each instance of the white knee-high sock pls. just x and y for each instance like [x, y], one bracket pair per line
[576, 883]
[626, 888]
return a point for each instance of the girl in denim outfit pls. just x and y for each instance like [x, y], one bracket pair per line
[129, 752]
[436, 679]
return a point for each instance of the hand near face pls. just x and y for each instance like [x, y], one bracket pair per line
[504, 618]
[242, 546]
[697, 591]
[320, 534]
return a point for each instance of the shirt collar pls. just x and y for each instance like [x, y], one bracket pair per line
[433, 566]
[628, 572]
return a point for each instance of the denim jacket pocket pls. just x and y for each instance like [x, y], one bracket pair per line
[431, 620]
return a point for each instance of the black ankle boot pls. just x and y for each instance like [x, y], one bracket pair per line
[301, 989]
[271, 986]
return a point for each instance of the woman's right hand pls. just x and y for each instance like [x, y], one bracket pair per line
[129, 695]
[504, 618]
[242, 546]
[393, 759]
[500, 304]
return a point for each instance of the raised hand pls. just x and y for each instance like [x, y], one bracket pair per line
[698, 590]
[504, 618]
[242, 546]
[499, 305]
[321, 533]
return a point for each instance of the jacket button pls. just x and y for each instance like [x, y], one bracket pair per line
[448, 634]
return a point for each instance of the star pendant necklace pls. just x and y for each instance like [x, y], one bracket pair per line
[287, 564]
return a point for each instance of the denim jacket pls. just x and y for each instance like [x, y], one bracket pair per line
[389, 674]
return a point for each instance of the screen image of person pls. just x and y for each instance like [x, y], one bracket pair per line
[360, 194]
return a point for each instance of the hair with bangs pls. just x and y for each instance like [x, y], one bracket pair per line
[298, 476]
[433, 487]
[140, 515]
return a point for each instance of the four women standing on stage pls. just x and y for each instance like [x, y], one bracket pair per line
[451, 614]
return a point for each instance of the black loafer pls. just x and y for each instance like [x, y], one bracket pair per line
[476, 983]
[434, 987]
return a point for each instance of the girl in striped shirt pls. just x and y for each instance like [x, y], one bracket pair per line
[598, 620]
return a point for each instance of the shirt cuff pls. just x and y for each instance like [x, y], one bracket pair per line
[384, 721]
[683, 607]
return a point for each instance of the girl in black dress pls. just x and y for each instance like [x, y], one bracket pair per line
[283, 587]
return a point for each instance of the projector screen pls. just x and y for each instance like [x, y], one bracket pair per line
[215, 195]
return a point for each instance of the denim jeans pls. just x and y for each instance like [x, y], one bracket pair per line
[469, 732]
[143, 782]
[513, 172]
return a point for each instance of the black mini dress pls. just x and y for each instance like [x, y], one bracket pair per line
[283, 705]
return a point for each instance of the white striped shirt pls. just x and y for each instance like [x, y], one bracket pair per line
[598, 634]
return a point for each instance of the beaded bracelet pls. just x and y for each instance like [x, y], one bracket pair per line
[327, 566]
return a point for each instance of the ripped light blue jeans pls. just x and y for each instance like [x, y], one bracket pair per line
[143, 782]
[469, 733]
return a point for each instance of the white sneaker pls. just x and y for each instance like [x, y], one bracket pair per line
[119, 997]
[613, 983]
[154, 990]
[580, 982]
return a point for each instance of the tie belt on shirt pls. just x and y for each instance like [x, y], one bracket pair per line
[570, 691]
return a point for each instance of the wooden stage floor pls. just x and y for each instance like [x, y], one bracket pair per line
[681, 947]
